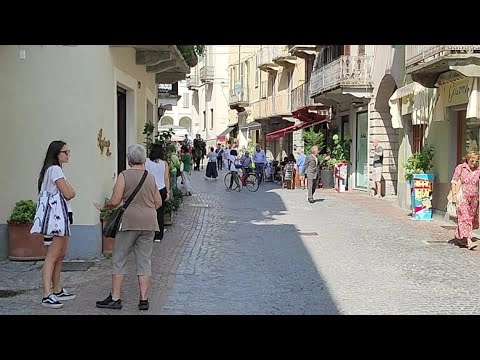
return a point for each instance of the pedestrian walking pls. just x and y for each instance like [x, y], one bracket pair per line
[466, 176]
[211, 170]
[158, 167]
[301, 168]
[186, 159]
[313, 163]
[52, 180]
[377, 169]
[139, 224]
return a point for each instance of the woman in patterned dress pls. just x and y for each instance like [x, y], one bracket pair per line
[468, 173]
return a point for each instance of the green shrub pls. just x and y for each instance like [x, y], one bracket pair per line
[23, 211]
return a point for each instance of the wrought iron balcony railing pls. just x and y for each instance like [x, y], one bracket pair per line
[347, 70]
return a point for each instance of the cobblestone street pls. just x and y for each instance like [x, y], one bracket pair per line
[272, 252]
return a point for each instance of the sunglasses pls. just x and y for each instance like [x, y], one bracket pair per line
[66, 152]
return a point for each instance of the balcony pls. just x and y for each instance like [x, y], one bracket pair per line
[301, 97]
[207, 74]
[347, 73]
[275, 106]
[425, 63]
[168, 91]
[281, 56]
[239, 97]
[165, 61]
[265, 60]
[193, 82]
[303, 51]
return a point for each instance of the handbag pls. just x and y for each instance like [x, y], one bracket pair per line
[51, 215]
[451, 207]
[112, 226]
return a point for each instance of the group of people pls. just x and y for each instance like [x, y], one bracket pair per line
[142, 221]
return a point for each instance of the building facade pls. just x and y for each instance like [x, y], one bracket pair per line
[175, 105]
[357, 81]
[438, 105]
[208, 81]
[97, 98]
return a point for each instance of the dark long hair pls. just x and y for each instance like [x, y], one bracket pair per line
[51, 158]
[157, 152]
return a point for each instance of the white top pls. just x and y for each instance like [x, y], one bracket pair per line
[232, 162]
[212, 157]
[52, 174]
[158, 172]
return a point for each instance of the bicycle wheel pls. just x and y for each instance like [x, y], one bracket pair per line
[227, 179]
[252, 182]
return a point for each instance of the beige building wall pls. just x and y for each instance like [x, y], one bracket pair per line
[67, 93]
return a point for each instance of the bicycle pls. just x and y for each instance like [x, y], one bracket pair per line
[251, 182]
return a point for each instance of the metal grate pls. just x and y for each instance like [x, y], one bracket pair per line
[308, 233]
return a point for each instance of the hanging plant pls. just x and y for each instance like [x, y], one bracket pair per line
[190, 53]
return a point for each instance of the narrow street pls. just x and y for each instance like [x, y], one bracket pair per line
[272, 252]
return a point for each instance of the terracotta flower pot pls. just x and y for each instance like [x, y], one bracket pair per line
[23, 246]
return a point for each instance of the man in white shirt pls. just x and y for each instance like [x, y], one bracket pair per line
[259, 159]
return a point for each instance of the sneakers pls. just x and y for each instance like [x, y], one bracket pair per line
[143, 305]
[51, 302]
[109, 303]
[64, 295]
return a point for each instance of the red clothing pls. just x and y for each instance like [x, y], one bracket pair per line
[467, 211]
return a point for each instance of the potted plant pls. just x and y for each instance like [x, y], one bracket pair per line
[107, 242]
[172, 205]
[420, 179]
[339, 161]
[23, 246]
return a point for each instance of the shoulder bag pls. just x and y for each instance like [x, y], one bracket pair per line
[51, 215]
[113, 223]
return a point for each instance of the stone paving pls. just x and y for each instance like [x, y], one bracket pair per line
[272, 252]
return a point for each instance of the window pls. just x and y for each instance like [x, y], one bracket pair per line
[211, 119]
[204, 120]
[418, 132]
[186, 100]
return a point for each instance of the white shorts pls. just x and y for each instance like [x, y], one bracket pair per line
[377, 174]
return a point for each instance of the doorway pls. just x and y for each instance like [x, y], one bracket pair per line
[361, 149]
[121, 129]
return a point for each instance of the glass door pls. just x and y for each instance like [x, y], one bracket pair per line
[361, 144]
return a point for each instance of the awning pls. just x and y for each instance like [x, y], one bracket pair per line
[412, 98]
[252, 125]
[282, 132]
[228, 130]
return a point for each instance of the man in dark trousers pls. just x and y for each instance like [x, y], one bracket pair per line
[313, 163]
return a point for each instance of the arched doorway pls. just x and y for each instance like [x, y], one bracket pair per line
[186, 122]
[166, 120]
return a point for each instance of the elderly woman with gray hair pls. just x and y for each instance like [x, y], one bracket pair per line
[139, 223]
